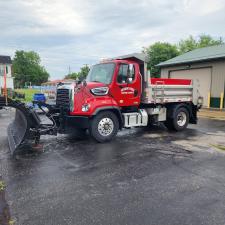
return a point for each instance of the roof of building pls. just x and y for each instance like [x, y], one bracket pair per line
[197, 55]
[5, 59]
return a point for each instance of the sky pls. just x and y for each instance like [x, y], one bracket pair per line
[70, 33]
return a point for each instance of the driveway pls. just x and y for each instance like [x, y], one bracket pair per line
[145, 176]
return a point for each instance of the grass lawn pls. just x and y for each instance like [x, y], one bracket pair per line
[28, 93]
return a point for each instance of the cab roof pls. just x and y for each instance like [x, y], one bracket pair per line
[140, 57]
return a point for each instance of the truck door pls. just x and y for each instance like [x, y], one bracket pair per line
[126, 88]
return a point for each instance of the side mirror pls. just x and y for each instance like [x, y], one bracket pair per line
[131, 68]
[130, 73]
[129, 80]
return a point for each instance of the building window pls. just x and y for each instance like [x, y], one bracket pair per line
[1, 70]
[4, 68]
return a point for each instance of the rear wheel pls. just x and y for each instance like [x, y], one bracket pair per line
[179, 121]
[104, 126]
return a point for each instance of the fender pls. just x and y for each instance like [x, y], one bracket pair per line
[173, 107]
[115, 109]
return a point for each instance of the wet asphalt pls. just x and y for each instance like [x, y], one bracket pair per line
[145, 176]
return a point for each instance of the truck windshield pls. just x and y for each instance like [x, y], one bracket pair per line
[101, 73]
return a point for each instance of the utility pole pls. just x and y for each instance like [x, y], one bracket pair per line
[69, 70]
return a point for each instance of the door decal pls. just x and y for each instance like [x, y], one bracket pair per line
[127, 90]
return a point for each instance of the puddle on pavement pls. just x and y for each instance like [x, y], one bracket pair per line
[5, 218]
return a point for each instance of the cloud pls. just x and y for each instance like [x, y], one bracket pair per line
[203, 8]
[72, 33]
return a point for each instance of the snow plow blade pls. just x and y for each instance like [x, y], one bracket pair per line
[20, 131]
[24, 127]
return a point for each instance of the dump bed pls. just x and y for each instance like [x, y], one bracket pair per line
[164, 91]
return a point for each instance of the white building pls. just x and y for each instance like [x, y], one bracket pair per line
[6, 63]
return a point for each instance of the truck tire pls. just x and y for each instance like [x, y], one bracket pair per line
[179, 121]
[104, 126]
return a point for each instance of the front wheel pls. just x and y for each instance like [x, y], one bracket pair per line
[104, 126]
[179, 121]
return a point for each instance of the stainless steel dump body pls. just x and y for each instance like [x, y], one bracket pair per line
[162, 93]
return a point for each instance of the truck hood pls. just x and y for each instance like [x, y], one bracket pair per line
[86, 89]
[83, 95]
[91, 85]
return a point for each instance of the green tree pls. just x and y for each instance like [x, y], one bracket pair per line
[202, 41]
[27, 68]
[73, 76]
[159, 52]
[84, 71]
[207, 40]
[186, 45]
[82, 74]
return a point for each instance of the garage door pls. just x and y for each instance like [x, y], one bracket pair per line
[203, 76]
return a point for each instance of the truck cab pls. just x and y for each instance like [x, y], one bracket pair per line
[119, 93]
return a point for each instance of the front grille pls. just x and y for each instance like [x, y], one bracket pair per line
[63, 98]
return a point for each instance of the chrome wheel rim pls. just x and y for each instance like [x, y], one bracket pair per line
[181, 119]
[105, 126]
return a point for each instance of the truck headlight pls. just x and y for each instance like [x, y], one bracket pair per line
[100, 91]
[85, 107]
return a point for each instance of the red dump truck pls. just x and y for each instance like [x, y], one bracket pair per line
[117, 93]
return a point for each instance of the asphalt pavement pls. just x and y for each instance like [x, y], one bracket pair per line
[144, 176]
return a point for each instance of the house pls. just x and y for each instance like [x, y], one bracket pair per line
[205, 66]
[6, 65]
